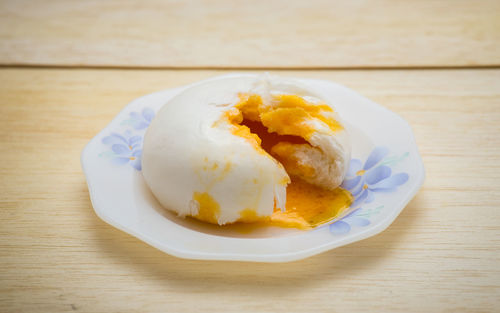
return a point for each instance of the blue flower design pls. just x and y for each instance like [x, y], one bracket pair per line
[363, 181]
[359, 217]
[343, 226]
[125, 148]
[140, 120]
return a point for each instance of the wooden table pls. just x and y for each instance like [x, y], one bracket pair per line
[67, 68]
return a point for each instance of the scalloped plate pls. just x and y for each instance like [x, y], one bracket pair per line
[385, 173]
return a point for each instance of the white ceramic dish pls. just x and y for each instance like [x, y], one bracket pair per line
[385, 173]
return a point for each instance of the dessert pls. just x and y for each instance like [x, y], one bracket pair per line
[249, 148]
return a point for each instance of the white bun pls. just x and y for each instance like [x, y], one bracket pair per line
[186, 152]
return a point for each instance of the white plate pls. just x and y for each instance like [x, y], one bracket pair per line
[386, 172]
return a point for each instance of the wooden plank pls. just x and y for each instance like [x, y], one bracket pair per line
[440, 255]
[244, 34]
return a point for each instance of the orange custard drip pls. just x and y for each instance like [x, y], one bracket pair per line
[209, 208]
[308, 206]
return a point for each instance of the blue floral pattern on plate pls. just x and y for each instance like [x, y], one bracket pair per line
[126, 148]
[364, 181]
[141, 120]
[358, 217]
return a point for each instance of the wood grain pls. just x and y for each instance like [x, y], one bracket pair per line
[276, 34]
[56, 255]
